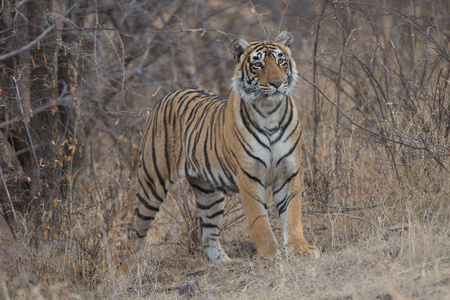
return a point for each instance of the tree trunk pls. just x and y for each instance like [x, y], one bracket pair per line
[45, 124]
[69, 69]
[11, 185]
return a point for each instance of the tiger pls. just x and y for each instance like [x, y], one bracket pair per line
[243, 143]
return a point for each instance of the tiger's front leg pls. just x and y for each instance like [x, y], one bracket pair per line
[288, 200]
[253, 195]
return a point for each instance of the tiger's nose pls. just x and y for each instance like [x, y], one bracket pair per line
[276, 84]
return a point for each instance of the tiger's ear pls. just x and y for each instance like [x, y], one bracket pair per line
[238, 48]
[285, 38]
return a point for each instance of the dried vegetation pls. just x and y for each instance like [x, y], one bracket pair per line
[375, 107]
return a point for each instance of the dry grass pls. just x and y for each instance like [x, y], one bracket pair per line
[377, 197]
[398, 250]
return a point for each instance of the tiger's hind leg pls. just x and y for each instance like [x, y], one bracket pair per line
[211, 204]
[150, 196]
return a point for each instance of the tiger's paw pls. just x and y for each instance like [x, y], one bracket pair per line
[219, 258]
[223, 261]
[299, 247]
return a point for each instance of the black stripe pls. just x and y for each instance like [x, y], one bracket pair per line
[192, 117]
[289, 120]
[289, 108]
[247, 114]
[199, 188]
[258, 47]
[151, 185]
[216, 111]
[143, 189]
[252, 155]
[154, 193]
[257, 199]
[252, 177]
[141, 236]
[218, 213]
[276, 108]
[173, 97]
[142, 217]
[206, 207]
[206, 157]
[292, 132]
[241, 138]
[155, 163]
[198, 129]
[290, 151]
[229, 163]
[222, 165]
[252, 132]
[146, 204]
[286, 181]
[258, 111]
[208, 225]
[147, 174]
[283, 205]
[256, 219]
[246, 173]
[248, 71]
[166, 140]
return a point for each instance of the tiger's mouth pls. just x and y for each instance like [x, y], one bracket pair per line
[268, 91]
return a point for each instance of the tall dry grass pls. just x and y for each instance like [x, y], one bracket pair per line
[374, 102]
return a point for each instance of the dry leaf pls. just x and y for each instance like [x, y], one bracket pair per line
[73, 148]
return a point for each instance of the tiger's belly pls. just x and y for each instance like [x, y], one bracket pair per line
[220, 179]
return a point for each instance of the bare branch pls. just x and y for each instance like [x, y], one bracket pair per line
[24, 119]
[13, 226]
[259, 19]
[379, 135]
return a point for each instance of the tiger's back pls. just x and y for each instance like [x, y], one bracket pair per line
[183, 137]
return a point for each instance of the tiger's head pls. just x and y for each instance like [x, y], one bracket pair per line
[264, 70]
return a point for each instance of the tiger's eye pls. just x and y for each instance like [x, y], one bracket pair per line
[281, 61]
[257, 65]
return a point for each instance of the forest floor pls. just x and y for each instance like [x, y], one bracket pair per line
[360, 259]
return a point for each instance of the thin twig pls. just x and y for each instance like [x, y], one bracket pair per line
[59, 101]
[408, 20]
[373, 133]
[282, 16]
[259, 19]
[11, 207]
[29, 45]
[33, 149]
[203, 30]
[437, 28]
[38, 39]
[357, 218]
